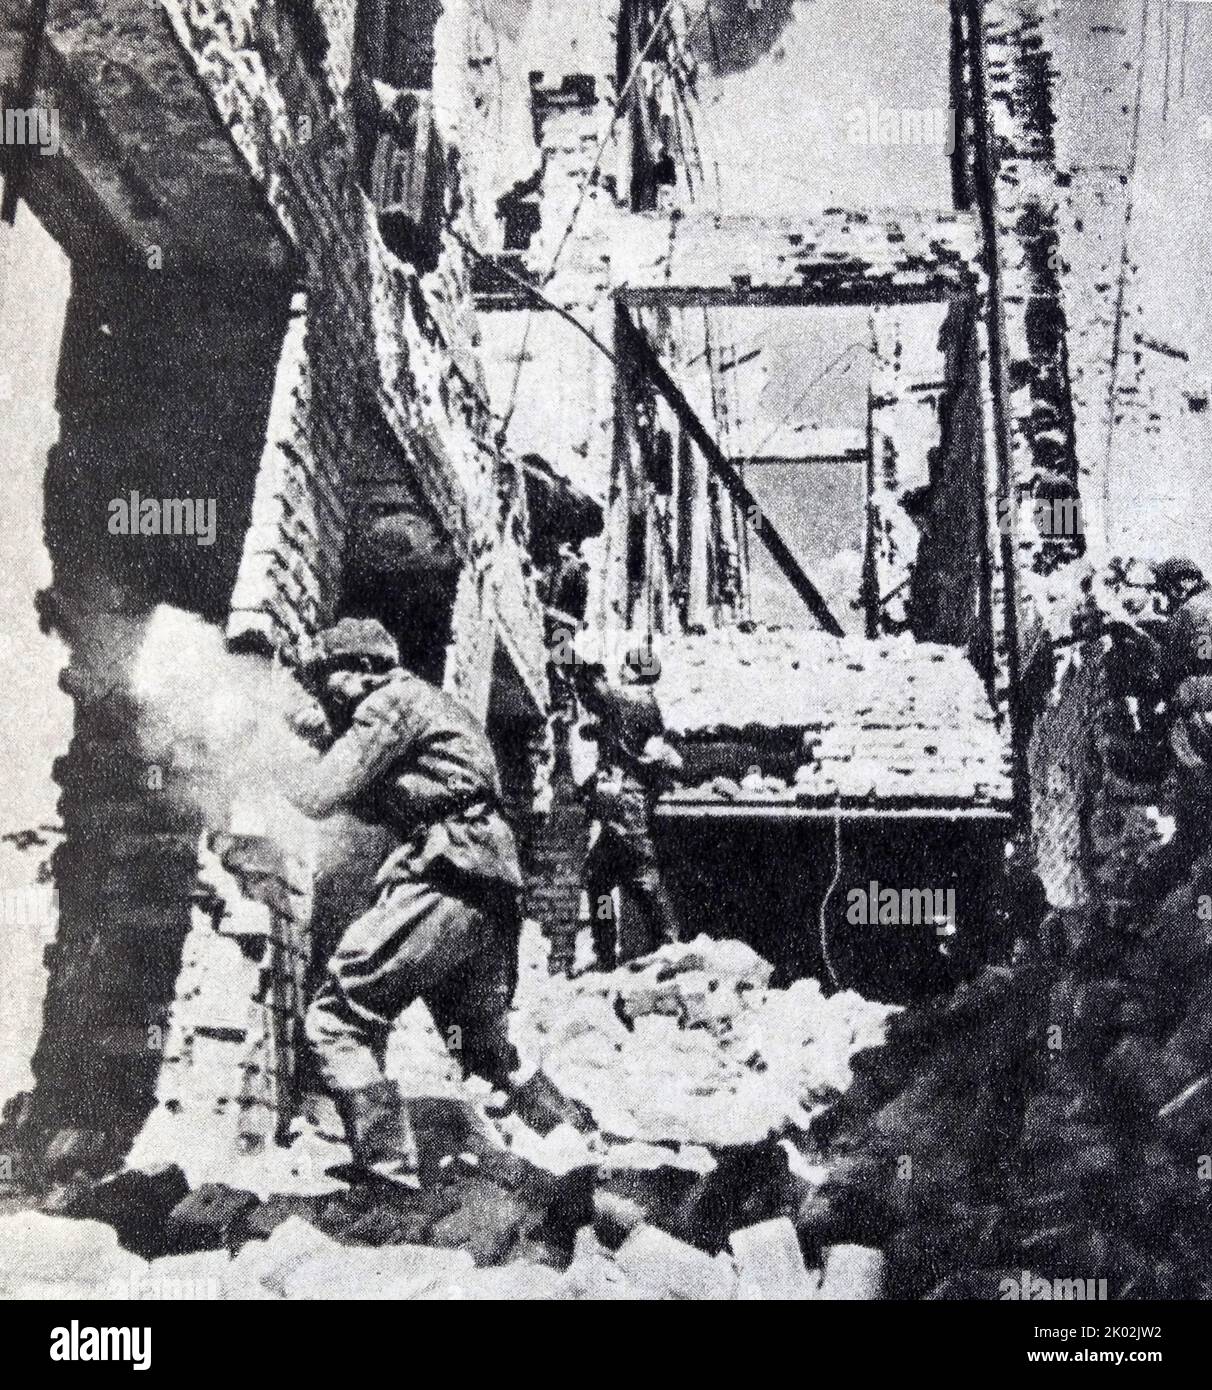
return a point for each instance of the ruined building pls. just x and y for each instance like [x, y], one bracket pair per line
[427, 296]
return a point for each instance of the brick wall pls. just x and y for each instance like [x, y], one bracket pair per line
[1099, 767]
[1059, 769]
[380, 335]
[555, 863]
[291, 564]
[139, 410]
[377, 400]
[1020, 192]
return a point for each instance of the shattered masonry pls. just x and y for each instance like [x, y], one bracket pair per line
[349, 203]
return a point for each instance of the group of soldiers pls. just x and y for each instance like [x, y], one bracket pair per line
[1176, 647]
[443, 926]
[397, 753]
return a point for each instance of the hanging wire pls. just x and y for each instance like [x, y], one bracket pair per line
[619, 103]
[823, 913]
[1182, 65]
[1125, 258]
[803, 396]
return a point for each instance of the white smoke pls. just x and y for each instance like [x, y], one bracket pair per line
[217, 724]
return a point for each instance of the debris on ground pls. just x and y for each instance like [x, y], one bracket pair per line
[701, 1081]
[691, 1045]
[1054, 1116]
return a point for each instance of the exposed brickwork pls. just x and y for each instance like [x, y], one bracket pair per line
[379, 333]
[1079, 139]
[290, 569]
[555, 877]
[885, 721]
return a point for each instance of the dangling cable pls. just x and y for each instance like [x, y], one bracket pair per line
[826, 955]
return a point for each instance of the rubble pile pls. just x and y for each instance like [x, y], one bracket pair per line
[691, 1046]
[82, 1260]
[1053, 1117]
[702, 1080]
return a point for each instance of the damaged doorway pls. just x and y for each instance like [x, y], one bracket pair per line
[813, 783]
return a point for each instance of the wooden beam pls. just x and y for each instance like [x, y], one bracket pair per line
[832, 258]
[685, 809]
[829, 290]
[799, 460]
[648, 359]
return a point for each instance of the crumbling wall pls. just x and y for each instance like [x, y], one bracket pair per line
[232, 1053]
[386, 337]
[1015, 184]
[1059, 771]
[1093, 147]
[556, 857]
[34, 287]
[291, 564]
[140, 414]
[166, 387]
[559, 161]
[124, 875]
[1133, 152]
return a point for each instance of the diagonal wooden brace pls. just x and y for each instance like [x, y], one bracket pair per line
[640, 347]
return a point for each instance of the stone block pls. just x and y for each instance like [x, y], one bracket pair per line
[852, 1272]
[770, 1264]
[653, 1258]
[208, 1219]
[137, 1204]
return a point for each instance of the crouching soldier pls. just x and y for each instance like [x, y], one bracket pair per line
[399, 753]
[1185, 638]
[634, 764]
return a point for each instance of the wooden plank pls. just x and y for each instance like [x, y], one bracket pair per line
[784, 811]
[831, 258]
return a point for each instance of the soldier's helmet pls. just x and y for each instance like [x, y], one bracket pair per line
[1179, 575]
[350, 642]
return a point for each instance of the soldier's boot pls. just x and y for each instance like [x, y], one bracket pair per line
[660, 919]
[540, 1104]
[605, 948]
[380, 1133]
